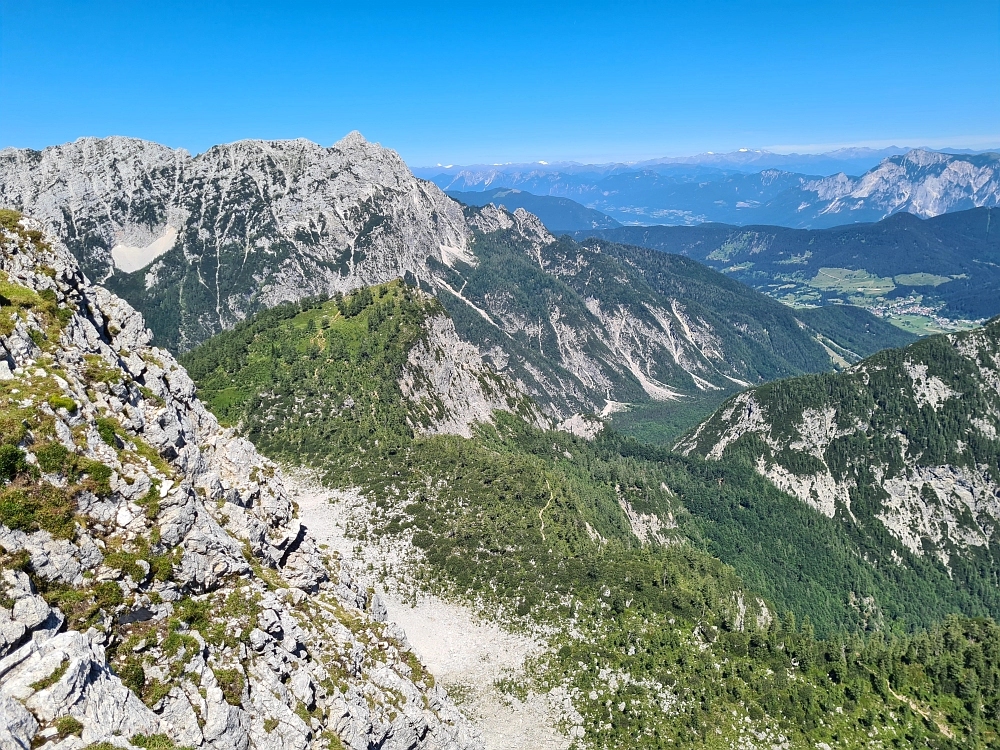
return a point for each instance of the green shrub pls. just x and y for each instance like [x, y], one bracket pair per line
[9, 219]
[96, 370]
[133, 676]
[12, 462]
[126, 563]
[67, 725]
[231, 681]
[98, 475]
[108, 595]
[51, 457]
[62, 402]
[39, 507]
[154, 742]
[106, 429]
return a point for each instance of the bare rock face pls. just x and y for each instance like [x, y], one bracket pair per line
[925, 183]
[238, 228]
[154, 576]
[450, 384]
[201, 243]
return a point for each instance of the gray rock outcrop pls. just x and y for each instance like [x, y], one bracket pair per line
[240, 227]
[155, 577]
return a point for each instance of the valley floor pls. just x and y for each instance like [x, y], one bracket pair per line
[465, 654]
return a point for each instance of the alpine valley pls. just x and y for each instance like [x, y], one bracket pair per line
[928, 275]
[386, 471]
[199, 244]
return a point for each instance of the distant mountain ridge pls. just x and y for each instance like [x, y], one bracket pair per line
[851, 160]
[557, 214]
[249, 225]
[952, 260]
[925, 183]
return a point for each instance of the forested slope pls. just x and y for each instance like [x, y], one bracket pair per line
[663, 580]
[901, 450]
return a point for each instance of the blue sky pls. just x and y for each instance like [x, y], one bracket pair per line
[505, 81]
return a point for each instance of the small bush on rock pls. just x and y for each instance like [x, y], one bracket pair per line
[67, 725]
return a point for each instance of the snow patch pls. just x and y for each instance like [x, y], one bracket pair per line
[129, 258]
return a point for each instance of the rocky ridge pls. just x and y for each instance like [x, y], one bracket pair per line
[157, 584]
[244, 226]
[446, 378]
[579, 326]
[925, 183]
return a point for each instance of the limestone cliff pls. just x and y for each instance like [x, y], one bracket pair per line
[243, 226]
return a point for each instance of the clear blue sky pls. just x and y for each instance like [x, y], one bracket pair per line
[504, 81]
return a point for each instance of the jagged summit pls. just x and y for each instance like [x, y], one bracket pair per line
[202, 243]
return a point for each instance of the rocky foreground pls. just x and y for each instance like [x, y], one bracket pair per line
[157, 586]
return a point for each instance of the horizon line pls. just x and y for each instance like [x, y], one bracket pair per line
[957, 143]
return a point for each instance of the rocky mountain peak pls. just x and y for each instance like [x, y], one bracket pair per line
[238, 228]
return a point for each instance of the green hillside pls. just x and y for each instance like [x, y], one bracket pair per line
[854, 329]
[533, 525]
[901, 451]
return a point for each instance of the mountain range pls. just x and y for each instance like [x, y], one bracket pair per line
[199, 244]
[850, 160]
[206, 240]
[925, 183]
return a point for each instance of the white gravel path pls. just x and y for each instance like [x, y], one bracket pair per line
[464, 653]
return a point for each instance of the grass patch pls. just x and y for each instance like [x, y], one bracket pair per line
[42, 506]
[850, 282]
[62, 402]
[52, 679]
[67, 725]
[921, 279]
[232, 682]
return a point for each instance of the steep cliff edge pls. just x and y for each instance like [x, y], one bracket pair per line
[157, 585]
